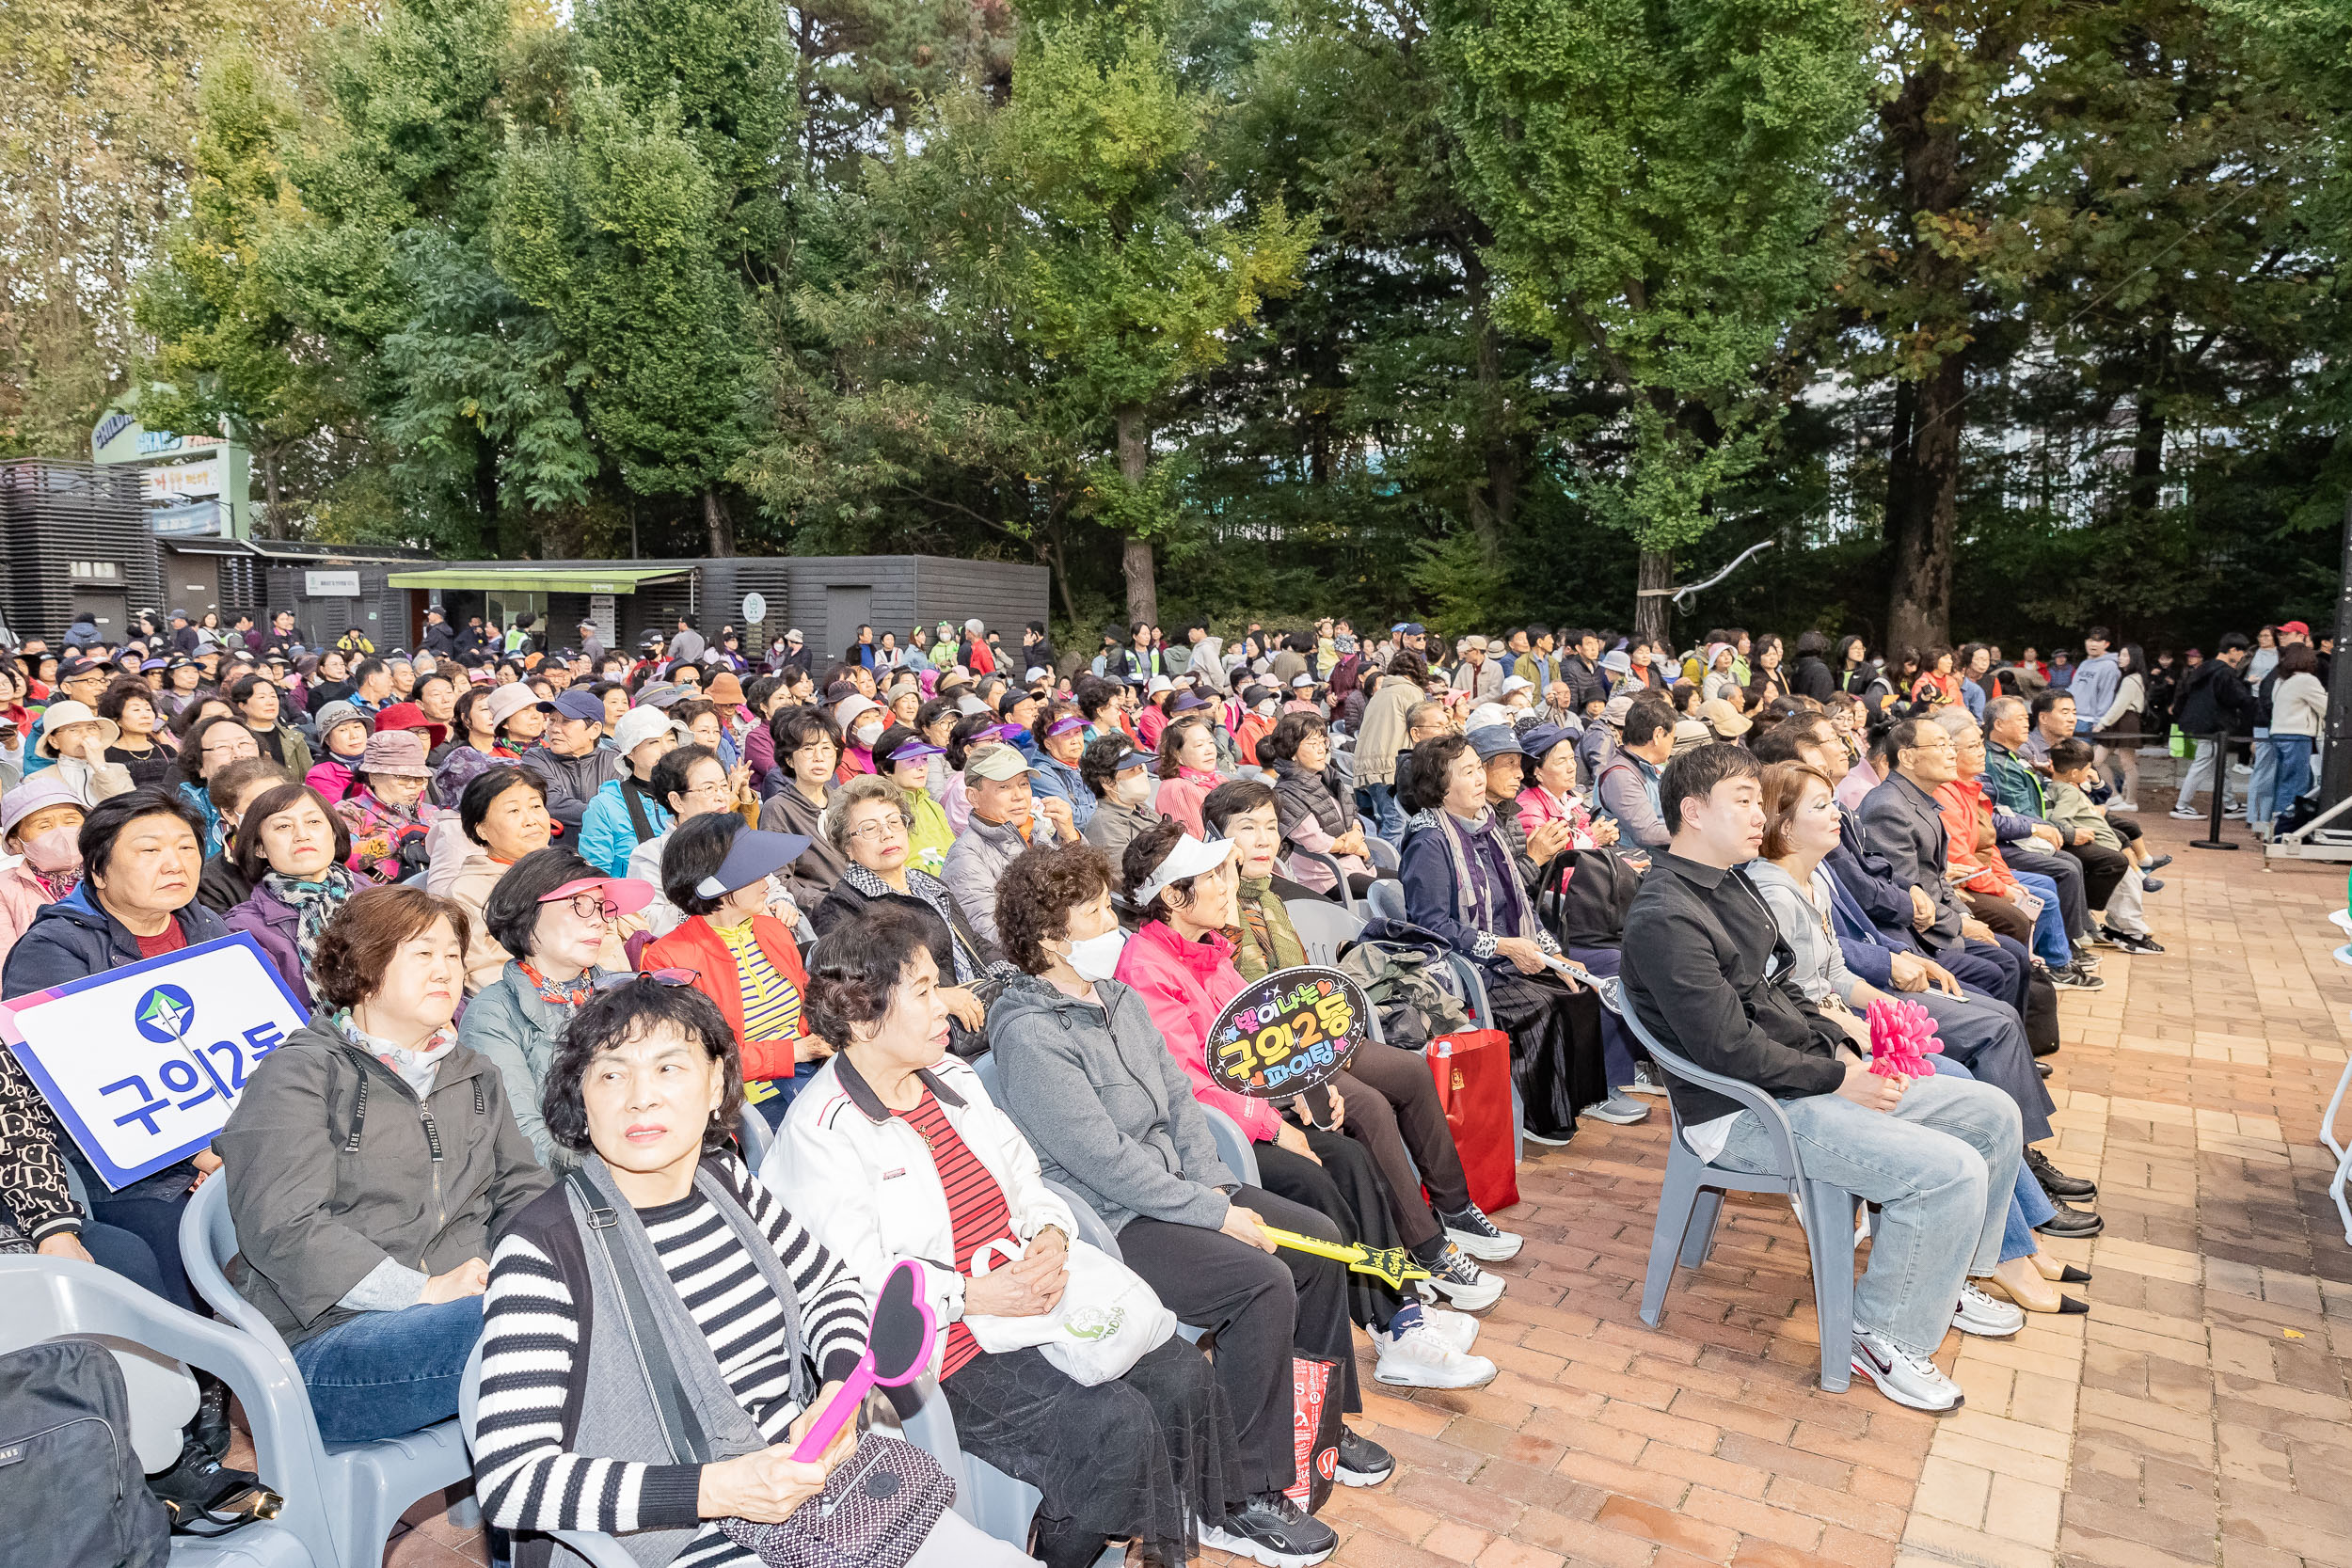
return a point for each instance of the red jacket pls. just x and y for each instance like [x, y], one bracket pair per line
[1185, 984]
[694, 945]
[1973, 858]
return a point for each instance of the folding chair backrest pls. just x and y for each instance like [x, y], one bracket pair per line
[1322, 928]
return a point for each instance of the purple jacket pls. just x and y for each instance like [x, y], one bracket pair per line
[273, 922]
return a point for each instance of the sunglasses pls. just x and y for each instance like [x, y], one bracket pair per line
[658, 977]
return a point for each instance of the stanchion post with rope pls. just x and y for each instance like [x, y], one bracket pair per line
[2213, 839]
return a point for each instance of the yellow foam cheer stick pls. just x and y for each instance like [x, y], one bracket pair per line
[1394, 1264]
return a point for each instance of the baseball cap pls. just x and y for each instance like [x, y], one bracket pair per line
[1495, 740]
[997, 763]
[2297, 627]
[574, 702]
[1302, 682]
[1132, 758]
[1010, 699]
[1412, 628]
[1540, 738]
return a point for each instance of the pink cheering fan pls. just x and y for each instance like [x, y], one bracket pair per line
[1902, 1037]
[898, 1349]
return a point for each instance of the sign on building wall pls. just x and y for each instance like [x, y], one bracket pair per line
[331, 585]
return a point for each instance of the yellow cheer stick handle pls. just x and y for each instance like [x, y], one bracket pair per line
[1394, 1264]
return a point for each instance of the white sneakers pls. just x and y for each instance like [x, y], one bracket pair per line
[1461, 1281]
[1907, 1378]
[1423, 1357]
[1980, 1315]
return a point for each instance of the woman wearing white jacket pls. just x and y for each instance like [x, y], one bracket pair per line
[894, 1150]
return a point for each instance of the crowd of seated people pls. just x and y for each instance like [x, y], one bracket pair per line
[560, 922]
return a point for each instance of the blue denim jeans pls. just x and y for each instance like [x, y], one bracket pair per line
[383, 1373]
[2295, 773]
[1376, 804]
[2028, 1205]
[2260, 796]
[1942, 1165]
[2050, 944]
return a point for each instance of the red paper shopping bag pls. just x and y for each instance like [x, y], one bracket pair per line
[1315, 1429]
[1474, 1074]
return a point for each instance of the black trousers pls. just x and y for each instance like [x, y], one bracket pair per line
[1346, 1189]
[1556, 1059]
[1392, 1109]
[1264, 1308]
[1144, 1455]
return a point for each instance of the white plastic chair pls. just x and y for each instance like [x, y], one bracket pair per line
[1340, 890]
[364, 1487]
[48, 1297]
[1232, 1144]
[756, 1135]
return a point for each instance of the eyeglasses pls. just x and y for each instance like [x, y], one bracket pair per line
[658, 977]
[588, 906]
[879, 829]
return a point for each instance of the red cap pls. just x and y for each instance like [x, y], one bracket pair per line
[408, 716]
[2297, 627]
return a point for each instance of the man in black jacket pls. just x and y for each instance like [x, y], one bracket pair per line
[1708, 973]
[2212, 701]
[440, 637]
[1580, 668]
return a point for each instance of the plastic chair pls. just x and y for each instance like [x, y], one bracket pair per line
[984, 1068]
[2342, 1151]
[48, 1297]
[365, 1487]
[1692, 1203]
[1384, 856]
[1232, 1144]
[1340, 891]
[601, 1550]
[1322, 928]
[756, 1135]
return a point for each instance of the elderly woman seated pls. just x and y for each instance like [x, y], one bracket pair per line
[369, 1160]
[1317, 816]
[1180, 962]
[1386, 1099]
[1462, 884]
[501, 816]
[1983, 1038]
[729, 878]
[872, 826]
[658, 1221]
[552, 913]
[292, 847]
[895, 1152]
[1094, 1090]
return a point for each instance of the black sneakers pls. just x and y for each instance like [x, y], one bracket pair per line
[1272, 1530]
[1479, 1236]
[1362, 1462]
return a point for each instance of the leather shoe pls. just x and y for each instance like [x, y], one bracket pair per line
[2056, 1183]
[2044, 1068]
[2072, 1224]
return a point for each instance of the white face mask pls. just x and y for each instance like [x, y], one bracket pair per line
[1267, 708]
[1097, 958]
[1134, 786]
[866, 734]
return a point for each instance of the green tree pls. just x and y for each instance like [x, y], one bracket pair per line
[1656, 179]
[229, 354]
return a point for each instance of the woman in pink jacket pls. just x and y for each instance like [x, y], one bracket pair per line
[1181, 964]
[39, 820]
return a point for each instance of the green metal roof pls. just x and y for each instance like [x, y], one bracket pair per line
[523, 578]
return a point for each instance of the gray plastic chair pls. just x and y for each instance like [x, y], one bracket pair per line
[1232, 1144]
[365, 1487]
[48, 1297]
[1692, 1203]
[1324, 927]
[756, 1135]
[984, 1068]
[1385, 859]
[1345, 894]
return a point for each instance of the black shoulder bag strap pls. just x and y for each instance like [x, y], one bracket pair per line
[632, 796]
[678, 1420]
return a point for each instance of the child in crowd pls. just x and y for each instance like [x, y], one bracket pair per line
[2070, 811]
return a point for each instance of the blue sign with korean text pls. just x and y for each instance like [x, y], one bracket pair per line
[142, 1064]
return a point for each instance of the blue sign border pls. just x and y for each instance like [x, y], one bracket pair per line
[115, 1176]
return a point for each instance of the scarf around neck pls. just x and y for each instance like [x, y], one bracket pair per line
[1265, 940]
[559, 993]
[313, 904]
[416, 1066]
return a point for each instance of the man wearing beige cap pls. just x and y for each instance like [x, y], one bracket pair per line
[1003, 824]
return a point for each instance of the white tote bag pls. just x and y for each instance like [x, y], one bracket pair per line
[1106, 1321]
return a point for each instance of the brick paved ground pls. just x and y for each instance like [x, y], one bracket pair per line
[2198, 1416]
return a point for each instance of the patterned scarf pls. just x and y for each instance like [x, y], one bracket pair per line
[418, 1067]
[932, 891]
[561, 993]
[1265, 940]
[313, 904]
[1205, 777]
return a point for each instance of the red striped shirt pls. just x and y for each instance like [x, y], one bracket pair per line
[977, 1211]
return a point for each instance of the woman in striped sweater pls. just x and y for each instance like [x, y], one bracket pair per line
[644, 1089]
